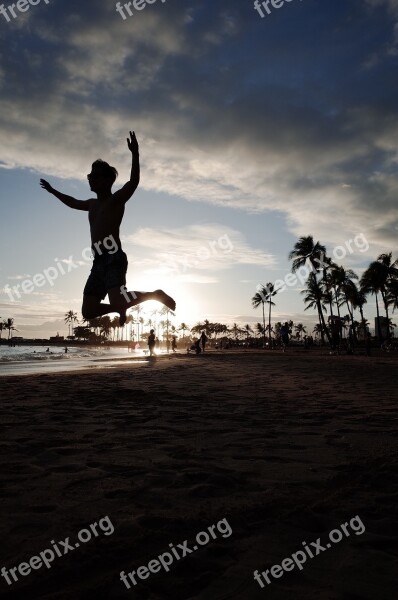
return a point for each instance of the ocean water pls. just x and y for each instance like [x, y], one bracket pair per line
[24, 360]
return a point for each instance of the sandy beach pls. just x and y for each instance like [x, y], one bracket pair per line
[283, 448]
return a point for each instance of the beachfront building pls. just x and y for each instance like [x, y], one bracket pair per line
[383, 327]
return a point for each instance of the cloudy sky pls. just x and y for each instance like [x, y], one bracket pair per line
[253, 132]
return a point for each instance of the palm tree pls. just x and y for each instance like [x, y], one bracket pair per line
[260, 298]
[9, 324]
[330, 282]
[270, 331]
[183, 327]
[113, 324]
[106, 326]
[206, 326]
[391, 327]
[219, 328]
[141, 322]
[336, 278]
[260, 329]
[154, 314]
[314, 298]
[166, 311]
[132, 321]
[70, 318]
[358, 302]
[300, 329]
[317, 330]
[306, 252]
[370, 285]
[248, 330]
[137, 310]
[235, 330]
[264, 295]
[127, 327]
[389, 274]
[348, 289]
[197, 328]
[116, 325]
[271, 291]
[82, 332]
[95, 324]
[2, 326]
[377, 280]
[392, 293]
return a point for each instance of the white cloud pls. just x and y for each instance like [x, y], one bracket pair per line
[205, 247]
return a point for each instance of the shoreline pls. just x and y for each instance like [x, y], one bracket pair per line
[82, 365]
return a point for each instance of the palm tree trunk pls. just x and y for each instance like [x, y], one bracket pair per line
[263, 326]
[269, 325]
[338, 310]
[323, 323]
[351, 313]
[387, 314]
[378, 319]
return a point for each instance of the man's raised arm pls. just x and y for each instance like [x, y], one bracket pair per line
[68, 200]
[129, 188]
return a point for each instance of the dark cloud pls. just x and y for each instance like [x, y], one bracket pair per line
[295, 113]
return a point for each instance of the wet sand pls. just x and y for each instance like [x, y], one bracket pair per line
[285, 447]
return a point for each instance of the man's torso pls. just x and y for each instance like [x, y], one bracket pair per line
[105, 217]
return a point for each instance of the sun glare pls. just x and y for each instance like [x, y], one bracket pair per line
[188, 304]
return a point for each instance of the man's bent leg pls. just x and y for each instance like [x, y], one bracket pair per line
[159, 295]
[121, 300]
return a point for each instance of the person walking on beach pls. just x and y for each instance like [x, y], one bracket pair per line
[203, 340]
[105, 213]
[151, 342]
[284, 332]
[174, 343]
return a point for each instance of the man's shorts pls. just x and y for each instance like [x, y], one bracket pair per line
[108, 271]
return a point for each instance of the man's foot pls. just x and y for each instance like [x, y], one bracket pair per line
[162, 297]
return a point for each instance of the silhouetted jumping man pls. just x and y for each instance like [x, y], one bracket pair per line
[105, 213]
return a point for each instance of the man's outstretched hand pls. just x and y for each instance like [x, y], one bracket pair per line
[132, 143]
[46, 186]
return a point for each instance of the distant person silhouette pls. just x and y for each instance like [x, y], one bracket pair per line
[151, 342]
[203, 340]
[105, 213]
[284, 332]
[174, 343]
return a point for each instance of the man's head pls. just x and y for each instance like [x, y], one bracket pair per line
[102, 176]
